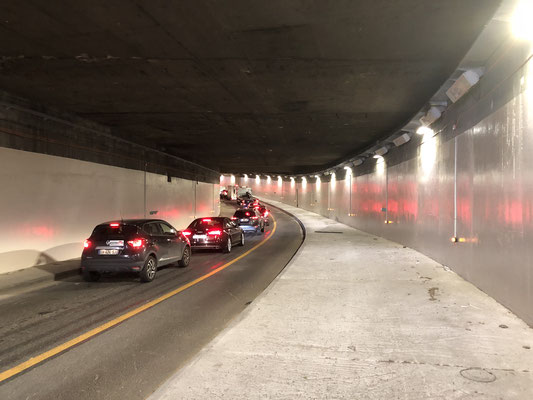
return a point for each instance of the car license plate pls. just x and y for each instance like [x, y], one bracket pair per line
[108, 252]
[244, 220]
[199, 237]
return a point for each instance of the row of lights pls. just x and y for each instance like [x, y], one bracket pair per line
[522, 29]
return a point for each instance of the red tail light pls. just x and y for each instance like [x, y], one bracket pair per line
[87, 244]
[247, 214]
[214, 232]
[136, 243]
[114, 225]
[186, 233]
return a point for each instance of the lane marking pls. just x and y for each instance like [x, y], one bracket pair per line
[104, 327]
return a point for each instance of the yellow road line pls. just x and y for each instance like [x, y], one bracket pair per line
[99, 329]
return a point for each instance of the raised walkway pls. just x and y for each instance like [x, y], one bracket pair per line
[354, 316]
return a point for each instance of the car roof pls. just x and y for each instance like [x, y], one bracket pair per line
[138, 221]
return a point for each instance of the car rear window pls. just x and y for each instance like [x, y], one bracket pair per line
[105, 231]
[206, 224]
[244, 213]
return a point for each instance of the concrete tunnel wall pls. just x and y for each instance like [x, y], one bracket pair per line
[411, 201]
[51, 204]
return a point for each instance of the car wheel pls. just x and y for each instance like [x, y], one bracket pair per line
[149, 270]
[185, 257]
[90, 276]
[227, 247]
[263, 228]
[242, 239]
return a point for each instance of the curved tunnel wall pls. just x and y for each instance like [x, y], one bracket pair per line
[414, 201]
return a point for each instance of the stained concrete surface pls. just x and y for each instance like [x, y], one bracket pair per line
[354, 316]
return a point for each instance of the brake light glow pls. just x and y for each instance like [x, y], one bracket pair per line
[87, 244]
[206, 220]
[214, 232]
[186, 233]
[247, 214]
[255, 217]
[266, 213]
[136, 243]
[114, 225]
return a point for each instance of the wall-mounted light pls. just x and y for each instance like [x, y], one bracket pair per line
[431, 116]
[257, 179]
[425, 130]
[245, 178]
[357, 162]
[232, 179]
[348, 170]
[381, 151]
[269, 179]
[292, 181]
[280, 180]
[463, 84]
[402, 139]
[521, 20]
[221, 178]
[304, 182]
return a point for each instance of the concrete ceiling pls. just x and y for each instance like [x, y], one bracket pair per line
[280, 86]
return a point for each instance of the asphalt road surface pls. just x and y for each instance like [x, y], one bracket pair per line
[130, 360]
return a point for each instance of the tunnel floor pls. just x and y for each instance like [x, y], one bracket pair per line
[130, 360]
[355, 316]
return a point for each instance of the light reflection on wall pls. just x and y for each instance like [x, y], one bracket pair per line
[233, 179]
[304, 183]
[428, 156]
[257, 179]
[280, 181]
[348, 177]
[318, 182]
[333, 181]
[269, 179]
[380, 166]
[292, 182]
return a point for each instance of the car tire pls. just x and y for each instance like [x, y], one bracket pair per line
[185, 257]
[263, 227]
[227, 247]
[242, 240]
[90, 276]
[149, 270]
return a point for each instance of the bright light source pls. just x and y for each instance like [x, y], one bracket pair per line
[348, 170]
[378, 157]
[304, 182]
[269, 179]
[317, 182]
[221, 178]
[280, 181]
[245, 178]
[333, 180]
[425, 130]
[257, 179]
[521, 25]
[292, 182]
[232, 179]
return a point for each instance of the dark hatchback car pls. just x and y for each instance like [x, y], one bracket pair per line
[134, 245]
[214, 233]
[249, 220]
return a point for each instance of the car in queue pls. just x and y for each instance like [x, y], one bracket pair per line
[133, 245]
[244, 201]
[249, 220]
[265, 212]
[218, 233]
[224, 195]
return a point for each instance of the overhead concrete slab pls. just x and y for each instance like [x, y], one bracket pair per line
[246, 86]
